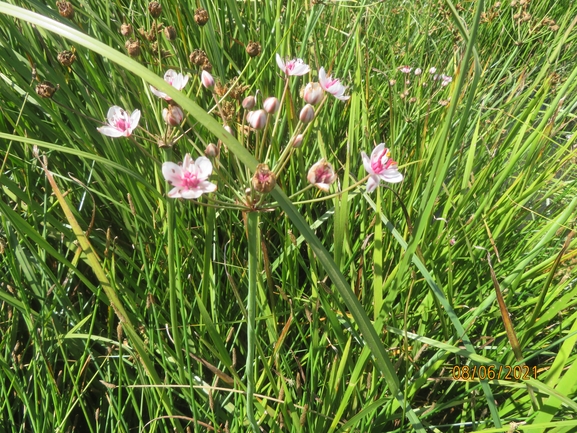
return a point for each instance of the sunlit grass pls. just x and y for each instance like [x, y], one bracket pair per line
[123, 309]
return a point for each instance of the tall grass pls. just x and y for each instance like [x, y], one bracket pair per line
[298, 310]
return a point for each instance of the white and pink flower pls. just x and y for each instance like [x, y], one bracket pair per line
[176, 80]
[189, 180]
[322, 175]
[292, 67]
[332, 85]
[120, 122]
[380, 166]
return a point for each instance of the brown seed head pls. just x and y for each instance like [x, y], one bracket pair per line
[65, 9]
[155, 9]
[133, 48]
[253, 49]
[126, 29]
[45, 89]
[170, 33]
[201, 16]
[263, 180]
[66, 58]
[198, 57]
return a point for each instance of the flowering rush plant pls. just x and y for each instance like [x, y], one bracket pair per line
[191, 178]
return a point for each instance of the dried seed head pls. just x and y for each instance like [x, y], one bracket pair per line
[253, 49]
[201, 16]
[155, 9]
[46, 89]
[65, 9]
[133, 48]
[207, 66]
[263, 180]
[170, 33]
[236, 90]
[220, 89]
[198, 57]
[228, 109]
[126, 29]
[66, 57]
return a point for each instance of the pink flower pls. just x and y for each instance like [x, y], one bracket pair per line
[446, 80]
[173, 115]
[322, 174]
[189, 179]
[380, 166]
[313, 93]
[332, 85]
[405, 69]
[307, 114]
[178, 81]
[120, 123]
[292, 67]
[271, 105]
[256, 119]
[206, 79]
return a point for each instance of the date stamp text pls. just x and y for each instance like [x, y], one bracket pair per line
[493, 372]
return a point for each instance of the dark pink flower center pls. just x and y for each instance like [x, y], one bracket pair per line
[122, 124]
[382, 162]
[190, 180]
[331, 82]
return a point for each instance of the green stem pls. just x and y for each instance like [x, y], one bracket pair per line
[172, 279]
[253, 244]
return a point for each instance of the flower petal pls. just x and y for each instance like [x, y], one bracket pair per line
[372, 183]
[134, 119]
[110, 131]
[367, 163]
[159, 93]
[204, 167]
[172, 173]
[280, 63]
[391, 176]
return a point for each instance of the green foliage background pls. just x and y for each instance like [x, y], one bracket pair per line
[489, 187]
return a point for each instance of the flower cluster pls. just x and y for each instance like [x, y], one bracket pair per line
[190, 179]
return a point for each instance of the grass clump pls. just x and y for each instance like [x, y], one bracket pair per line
[283, 297]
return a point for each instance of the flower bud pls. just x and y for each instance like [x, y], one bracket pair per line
[211, 150]
[201, 16]
[170, 33]
[207, 80]
[313, 93]
[256, 119]
[271, 105]
[155, 9]
[173, 115]
[228, 129]
[126, 29]
[298, 141]
[418, 71]
[263, 180]
[307, 114]
[322, 174]
[432, 70]
[249, 102]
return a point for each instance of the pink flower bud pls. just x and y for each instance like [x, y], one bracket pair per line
[418, 71]
[173, 115]
[228, 129]
[256, 119]
[313, 93]
[207, 80]
[321, 175]
[432, 70]
[298, 141]
[249, 102]
[307, 114]
[271, 105]
[211, 150]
